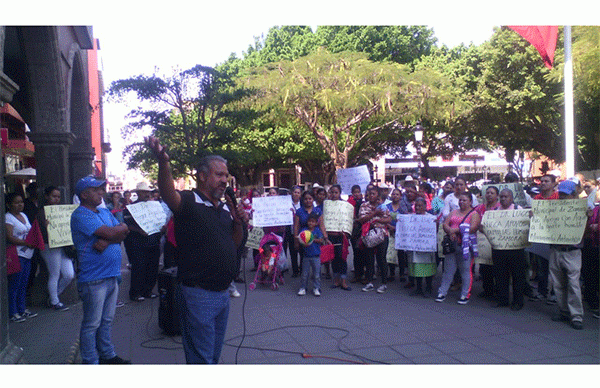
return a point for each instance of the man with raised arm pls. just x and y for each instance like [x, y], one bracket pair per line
[208, 233]
[97, 236]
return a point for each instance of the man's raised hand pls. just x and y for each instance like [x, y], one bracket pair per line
[159, 151]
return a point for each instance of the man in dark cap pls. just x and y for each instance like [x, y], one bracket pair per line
[97, 236]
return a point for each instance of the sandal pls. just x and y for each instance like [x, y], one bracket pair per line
[345, 288]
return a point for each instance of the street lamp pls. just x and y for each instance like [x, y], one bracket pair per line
[418, 130]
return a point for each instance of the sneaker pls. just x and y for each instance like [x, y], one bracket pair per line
[316, 292]
[551, 300]
[28, 314]
[235, 294]
[116, 360]
[463, 300]
[120, 303]
[535, 297]
[17, 318]
[368, 287]
[59, 307]
[595, 314]
[151, 296]
[382, 289]
[440, 298]
[302, 291]
[138, 299]
[577, 325]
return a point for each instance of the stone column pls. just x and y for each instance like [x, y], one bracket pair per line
[9, 353]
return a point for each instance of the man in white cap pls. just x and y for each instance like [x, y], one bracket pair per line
[97, 236]
[143, 251]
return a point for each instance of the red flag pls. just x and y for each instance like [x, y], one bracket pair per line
[543, 38]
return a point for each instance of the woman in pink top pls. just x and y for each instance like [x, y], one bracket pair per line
[461, 225]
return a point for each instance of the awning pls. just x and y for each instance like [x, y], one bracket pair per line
[24, 173]
[9, 110]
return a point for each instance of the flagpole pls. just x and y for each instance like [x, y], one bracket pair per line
[569, 124]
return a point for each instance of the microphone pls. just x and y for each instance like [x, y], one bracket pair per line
[229, 193]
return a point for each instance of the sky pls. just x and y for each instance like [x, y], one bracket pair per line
[138, 36]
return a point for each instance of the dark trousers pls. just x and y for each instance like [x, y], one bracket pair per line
[338, 265]
[296, 265]
[377, 253]
[359, 259]
[590, 272]
[144, 266]
[487, 277]
[542, 274]
[169, 255]
[507, 264]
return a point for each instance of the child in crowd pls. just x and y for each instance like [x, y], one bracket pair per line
[267, 260]
[311, 257]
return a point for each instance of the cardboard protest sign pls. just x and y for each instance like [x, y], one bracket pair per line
[516, 188]
[416, 232]
[558, 221]
[272, 211]
[348, 177]
[507, 229]
[254, 236]
[338, 216]
[149, 215]
[59, 224]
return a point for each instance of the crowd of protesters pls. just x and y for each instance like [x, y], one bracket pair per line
[567, 276]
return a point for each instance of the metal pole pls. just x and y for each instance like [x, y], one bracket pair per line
[569, 124]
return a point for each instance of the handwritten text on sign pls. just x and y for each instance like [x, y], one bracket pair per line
[416, 232]
[516, 188]
[272, 211]
[348, 177]
[59, 225]
[254, 237]
[507, 229]
[338, 216]
[558, 221]
[149, 215]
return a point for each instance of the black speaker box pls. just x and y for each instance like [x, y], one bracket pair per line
[168, 316]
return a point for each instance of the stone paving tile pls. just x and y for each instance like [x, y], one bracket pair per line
[272, 337]
[517, 354]
[498, 329]
[479, 357]
[582, 359]
[319, 346]
[467, 332]
[489, 342]
[433, 335]
[337, 358]
[564, 334]
[524, 339]
[456, 346]
[356, 341]
[437, 359]
[228, 355]
[554, 350]
[583, 346]
[416, 350]
[290, 360]
[381, 353]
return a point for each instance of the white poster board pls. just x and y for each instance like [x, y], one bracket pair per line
[149, 215]
[272, 211]
[59, 224]
[558, 221]
[507, 229]
[338, 216]
[416, 232]
[348, 177]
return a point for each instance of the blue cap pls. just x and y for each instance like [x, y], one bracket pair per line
[86, 183]
[567, 187]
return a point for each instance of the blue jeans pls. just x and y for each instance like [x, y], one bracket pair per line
[99, 299]
[315, 264]
[203, 319]
[17, 288]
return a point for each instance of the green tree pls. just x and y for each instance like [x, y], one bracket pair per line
[189, 112]
[514, 105]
